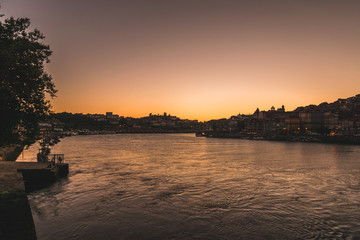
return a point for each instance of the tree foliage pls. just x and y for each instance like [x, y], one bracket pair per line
[24, 82]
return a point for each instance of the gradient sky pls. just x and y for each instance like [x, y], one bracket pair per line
[196, 59]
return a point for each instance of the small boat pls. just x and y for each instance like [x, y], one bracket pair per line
[200, 134]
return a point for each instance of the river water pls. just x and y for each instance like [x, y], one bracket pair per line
[177, 186]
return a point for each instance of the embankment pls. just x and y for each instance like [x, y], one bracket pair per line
[16, 220]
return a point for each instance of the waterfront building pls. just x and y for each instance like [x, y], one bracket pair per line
[293, 123]
[312, 121]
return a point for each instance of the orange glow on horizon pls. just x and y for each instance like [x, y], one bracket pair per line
[197, 60]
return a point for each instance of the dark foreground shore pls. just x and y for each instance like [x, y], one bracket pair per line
[16, 221]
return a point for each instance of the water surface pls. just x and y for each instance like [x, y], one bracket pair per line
[177, 186]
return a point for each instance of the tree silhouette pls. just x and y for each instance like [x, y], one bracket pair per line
[23, 81]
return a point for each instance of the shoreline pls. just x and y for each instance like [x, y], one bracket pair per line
[16, 220]
[340, 139]
[337, 139]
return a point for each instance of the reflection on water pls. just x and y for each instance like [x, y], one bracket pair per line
[177, 186]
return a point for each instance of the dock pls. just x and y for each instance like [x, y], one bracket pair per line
[17, 178]
[38, 175]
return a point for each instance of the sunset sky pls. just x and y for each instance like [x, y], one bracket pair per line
[196, 59]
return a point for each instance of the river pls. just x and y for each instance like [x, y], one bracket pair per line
[178, 186]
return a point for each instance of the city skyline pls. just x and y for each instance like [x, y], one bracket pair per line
[323, 107]
[198, 60]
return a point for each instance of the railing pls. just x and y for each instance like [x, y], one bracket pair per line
[56, 158]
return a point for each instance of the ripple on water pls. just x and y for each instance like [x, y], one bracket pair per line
[181, 187]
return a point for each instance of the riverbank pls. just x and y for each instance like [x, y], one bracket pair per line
[336, 139]
[16, 221]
